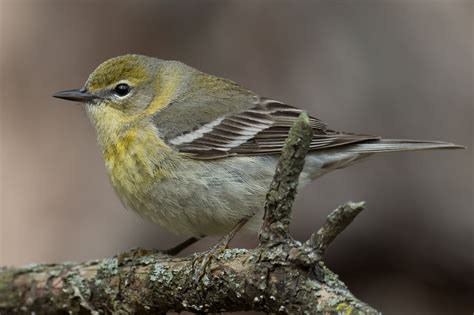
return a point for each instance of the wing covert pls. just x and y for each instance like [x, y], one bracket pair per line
[261, 129]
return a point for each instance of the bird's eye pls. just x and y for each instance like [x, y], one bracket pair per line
[122, 89]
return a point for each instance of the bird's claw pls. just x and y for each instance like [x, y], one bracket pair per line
[203, 260]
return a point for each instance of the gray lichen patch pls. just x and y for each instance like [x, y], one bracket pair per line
[160, 273]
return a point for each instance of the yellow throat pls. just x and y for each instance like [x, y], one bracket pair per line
[134, 155]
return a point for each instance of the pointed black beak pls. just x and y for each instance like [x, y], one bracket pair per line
[76, 95]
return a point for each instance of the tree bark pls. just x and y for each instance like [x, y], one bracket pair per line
[281, 275]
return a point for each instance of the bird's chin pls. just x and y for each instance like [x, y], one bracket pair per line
[97, 108]
[90, 106]
[91, 110]
[106, 119]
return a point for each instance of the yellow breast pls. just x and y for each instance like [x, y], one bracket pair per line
[134, 155]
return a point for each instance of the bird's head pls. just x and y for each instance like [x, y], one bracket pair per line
[128, 87]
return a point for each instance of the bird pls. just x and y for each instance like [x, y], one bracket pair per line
[196, 153]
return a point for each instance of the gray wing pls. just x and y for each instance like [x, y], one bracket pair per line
[261, 129]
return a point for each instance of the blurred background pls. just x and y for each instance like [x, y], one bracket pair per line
[401, 69]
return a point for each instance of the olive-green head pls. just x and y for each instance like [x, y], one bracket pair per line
[126, 83]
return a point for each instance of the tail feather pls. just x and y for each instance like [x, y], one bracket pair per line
[394, 145]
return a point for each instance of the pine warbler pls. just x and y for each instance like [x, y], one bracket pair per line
[196, 153]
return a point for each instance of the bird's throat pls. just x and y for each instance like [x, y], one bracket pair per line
[134, 154]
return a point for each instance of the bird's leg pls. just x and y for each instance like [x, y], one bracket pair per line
[215, 250]
[181, 246]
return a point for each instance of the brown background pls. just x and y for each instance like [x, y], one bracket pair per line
[400, 69]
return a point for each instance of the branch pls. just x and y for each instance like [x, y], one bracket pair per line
[281, 275]
[335, 223]
[282, 191]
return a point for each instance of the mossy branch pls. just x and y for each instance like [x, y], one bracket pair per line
[280, 276]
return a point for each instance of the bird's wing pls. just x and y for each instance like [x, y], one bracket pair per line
[261, 129]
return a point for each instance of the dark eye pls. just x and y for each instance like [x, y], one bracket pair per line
[122, 89]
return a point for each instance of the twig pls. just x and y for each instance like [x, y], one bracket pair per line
[335, 223]
[282, 191]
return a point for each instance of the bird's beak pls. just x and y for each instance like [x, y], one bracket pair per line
[77, 95]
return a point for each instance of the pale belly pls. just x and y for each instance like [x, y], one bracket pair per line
[209, 198]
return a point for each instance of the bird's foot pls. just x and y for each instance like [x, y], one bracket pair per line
[203, 260]
[140, 252]
[134, 253]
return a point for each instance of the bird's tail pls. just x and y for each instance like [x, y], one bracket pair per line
[393, 145]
